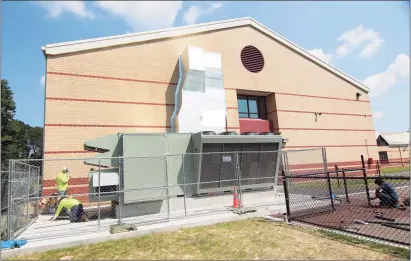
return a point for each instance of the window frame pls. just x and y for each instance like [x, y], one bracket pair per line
[261, 105]
[383, 156]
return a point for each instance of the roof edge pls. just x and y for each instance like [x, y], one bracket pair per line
[104, 42]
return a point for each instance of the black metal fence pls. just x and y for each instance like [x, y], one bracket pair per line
[348, 201]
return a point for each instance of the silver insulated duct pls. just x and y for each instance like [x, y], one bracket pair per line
[201, 98]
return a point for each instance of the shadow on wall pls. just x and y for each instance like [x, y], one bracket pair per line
[170, 96]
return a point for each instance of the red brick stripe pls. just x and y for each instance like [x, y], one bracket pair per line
[102, 126]
[174, 84]
[109, 126]
[79, 190]
[72, 181]
[67, 151]
[320, 129]
[318, 97]
[329, 113]
[107, 101]
[109, 78]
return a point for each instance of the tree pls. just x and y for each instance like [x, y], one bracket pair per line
[8, 109]
[19, 148]
[35, 142]
[18, 139]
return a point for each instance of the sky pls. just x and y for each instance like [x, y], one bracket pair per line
[367, 40]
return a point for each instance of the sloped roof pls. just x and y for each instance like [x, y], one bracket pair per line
[399, 139]
[103, 42]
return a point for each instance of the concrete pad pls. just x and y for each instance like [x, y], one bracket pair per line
[44, 234]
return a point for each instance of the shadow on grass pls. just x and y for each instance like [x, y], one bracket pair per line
[403, 253]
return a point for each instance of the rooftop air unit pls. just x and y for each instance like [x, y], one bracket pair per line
[249, 133]
[228, 133]
[223, 159]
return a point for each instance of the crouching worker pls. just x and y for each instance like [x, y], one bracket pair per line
[386, 193]
[73, 207]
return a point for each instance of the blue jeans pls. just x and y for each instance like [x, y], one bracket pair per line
[388, 200]
[76, 213]
[62, 192]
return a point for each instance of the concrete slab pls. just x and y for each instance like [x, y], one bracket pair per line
[45, 234]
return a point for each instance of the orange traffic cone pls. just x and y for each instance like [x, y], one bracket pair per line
[236, 203]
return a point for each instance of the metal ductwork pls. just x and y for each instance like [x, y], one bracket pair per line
[201, 101]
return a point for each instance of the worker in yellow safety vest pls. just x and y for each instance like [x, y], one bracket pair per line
[62, 181]
[73, 207]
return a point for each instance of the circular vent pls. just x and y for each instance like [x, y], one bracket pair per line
[252, 59]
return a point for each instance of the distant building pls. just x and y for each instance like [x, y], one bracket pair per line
[394, 147]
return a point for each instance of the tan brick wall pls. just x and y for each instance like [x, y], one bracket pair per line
[288, 102]
[108, 113]
[325, 121]
[75, 165]
[284, 72]
[72, 139]
[91, 88]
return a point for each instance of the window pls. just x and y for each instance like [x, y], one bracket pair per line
[251, 107]
[383, 156]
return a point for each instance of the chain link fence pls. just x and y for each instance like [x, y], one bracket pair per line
[351, 202]
[23, 189]
[144, 190]
[4, 203]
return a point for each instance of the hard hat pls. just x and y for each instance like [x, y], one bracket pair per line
[65, 170]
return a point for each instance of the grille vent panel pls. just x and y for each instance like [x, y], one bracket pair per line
[252, 59]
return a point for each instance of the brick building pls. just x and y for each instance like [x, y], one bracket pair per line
[127, 83]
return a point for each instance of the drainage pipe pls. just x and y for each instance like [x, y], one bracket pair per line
[176, 96]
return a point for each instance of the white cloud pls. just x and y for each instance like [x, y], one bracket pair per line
[56, 8]
[191, 15]
[320, 54]
[381, 82]
[356, 38]
[377, 115]
[371, 48]
[144, 15]
[43, 80]
[194, 12]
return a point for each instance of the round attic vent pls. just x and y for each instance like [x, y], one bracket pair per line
[252, 59]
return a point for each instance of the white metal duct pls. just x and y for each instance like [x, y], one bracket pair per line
[202, 98]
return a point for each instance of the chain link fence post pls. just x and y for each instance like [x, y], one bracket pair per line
[99, 195]
[10, 199]
[239, 191]
[184, 184]
[121, 194]
[324, 155]
[167, 187]
[28, 196]
[277, 169]
[367, 190]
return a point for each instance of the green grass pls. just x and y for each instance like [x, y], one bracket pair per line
[252, 239]
[352, 184]
[403, 253]
[389, 170]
